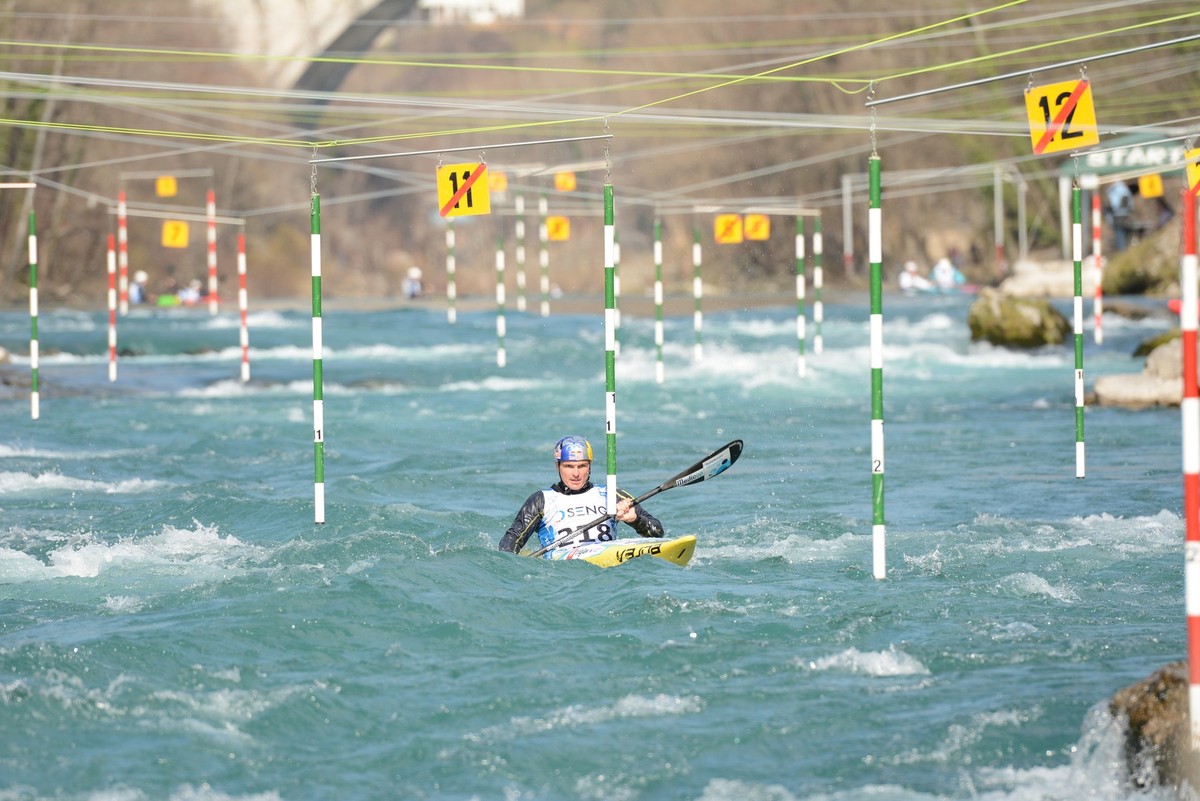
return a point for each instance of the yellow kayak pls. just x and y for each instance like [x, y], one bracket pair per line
[617, 552]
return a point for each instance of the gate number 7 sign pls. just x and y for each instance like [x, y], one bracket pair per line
[1061, 116]
[463, 189]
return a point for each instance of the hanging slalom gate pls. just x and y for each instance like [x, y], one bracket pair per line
[728, 228]
[450, 199]
[118, 263]
[31, 243]
[1077, 259]
[1190, 415]
[175, 230]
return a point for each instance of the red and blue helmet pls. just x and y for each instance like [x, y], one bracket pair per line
[573, 449]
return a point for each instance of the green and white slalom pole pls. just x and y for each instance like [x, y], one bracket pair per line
[818, 285]
[658, 301]
[875, 246]
[318, 369]
[697, 295]
[616, 293]
[1077, 255]
[34, 389]
[451, 290]
[801, 333]
[519, 202]
[544, 254]
[610, 349]
[501, 359]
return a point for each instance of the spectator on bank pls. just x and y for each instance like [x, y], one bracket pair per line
[1120, 212]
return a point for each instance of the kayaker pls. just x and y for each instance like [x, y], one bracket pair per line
[574, 501]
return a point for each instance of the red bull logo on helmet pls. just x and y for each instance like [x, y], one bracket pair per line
[573, 449]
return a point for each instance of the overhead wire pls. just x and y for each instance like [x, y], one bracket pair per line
[723, 80]
[552, 114]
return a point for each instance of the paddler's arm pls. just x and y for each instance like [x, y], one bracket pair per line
[644, 523]
[525, 523]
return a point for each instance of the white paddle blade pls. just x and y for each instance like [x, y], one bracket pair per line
[714, 465]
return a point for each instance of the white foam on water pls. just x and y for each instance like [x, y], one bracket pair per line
[216, 714]
[892, 662]
[19, 483]
[123, 604]
[960, 738]
[1027, 584]
[578, 715]
[794, 548]
[493, 384]
[1095, 771]
[744, 790]
[15, 452]
[196, 553]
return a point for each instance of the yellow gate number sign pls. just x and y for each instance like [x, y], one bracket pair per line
[166, 186]
[757, 226]
[727, 229]
[1062, 116]
[463, 190]
[175, 234]
[1150, 185]
[564, 181]
[1192, 161]
[558, 229]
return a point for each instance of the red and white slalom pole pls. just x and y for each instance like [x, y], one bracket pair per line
[122, 253]
[1190, 412]
[35, 392]
[244, 333]
[210, 209]
[112, 308]
[1097, 271]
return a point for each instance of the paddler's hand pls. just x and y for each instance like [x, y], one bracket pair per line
[625, 512]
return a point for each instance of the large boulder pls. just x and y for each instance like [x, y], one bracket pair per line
[1015, 322]
[1148, 267]
[1159, 384]
[1048, 278]
[1155, 711]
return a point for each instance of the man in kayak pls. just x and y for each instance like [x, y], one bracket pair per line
[574, 501]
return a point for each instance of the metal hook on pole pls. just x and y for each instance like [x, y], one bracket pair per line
[312, 179]
[607, 155]
[874, 114]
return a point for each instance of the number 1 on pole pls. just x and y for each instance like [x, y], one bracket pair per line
[463, 190]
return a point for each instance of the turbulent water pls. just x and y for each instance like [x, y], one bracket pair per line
[173, 625]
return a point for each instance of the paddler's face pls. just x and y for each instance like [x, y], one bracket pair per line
[574, 474]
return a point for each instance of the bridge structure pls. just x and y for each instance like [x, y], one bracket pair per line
[294, 30]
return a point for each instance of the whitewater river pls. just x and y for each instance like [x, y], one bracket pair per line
[174, 625]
